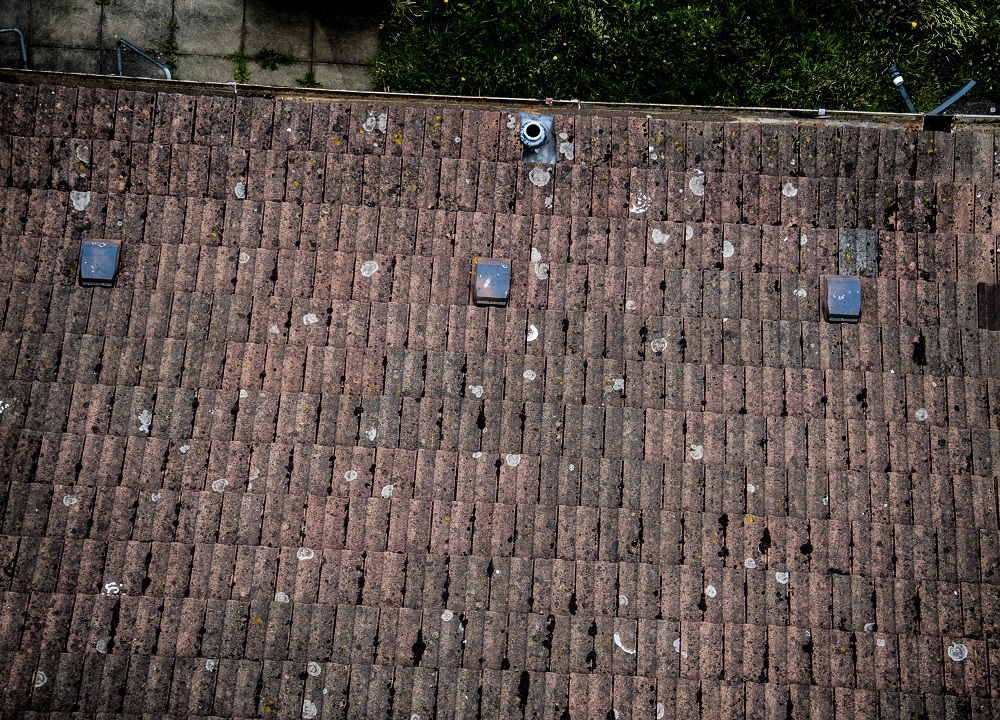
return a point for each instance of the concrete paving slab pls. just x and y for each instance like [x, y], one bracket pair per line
[204, 68]
[209, 27]
[344, 39]
[73, 60]
[65, 23]
[334, 76]
[284, 76]
[10, 50]
[144, 23]
[15, 14]
[284, 30]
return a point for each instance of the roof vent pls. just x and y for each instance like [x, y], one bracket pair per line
[533, 134]
[841, 297]
[490, 282]
[99, 262]
[538, 142]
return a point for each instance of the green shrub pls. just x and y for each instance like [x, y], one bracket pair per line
[813, 53]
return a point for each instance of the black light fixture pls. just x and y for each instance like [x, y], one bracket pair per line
[897, 80]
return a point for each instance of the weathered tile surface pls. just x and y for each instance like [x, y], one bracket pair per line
[285, 467]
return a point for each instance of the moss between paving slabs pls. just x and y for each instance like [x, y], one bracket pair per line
[818, 53]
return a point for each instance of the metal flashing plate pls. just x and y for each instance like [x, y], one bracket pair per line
[546, 152]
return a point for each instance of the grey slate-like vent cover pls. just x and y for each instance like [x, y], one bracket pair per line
[99, 262]
[546, 152]
[858, 252]
[841, 297]
[490, 282]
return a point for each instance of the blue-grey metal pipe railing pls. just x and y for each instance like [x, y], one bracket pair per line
[24, 48]
[125, 43]
[951, 101]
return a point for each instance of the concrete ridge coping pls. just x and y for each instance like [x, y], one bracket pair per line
[763, 115]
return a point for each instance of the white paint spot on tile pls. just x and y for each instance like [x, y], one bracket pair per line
[476, 455]
[697, 184]
[789, 190]
[447, 615]
[244, 258]
[281, 597]
[660, 710]
[4, 406]
[677, 645]
[617, 714]
[476, 390]
[658, 345]
[69, 501]
[240, 190]
[536, 255]
[804, 240]
[244, 394]
[83, 153]
[869, 627]
[799, 292]
[542, 271]
[539, 177]
[111, 588]
[958, 652]
[710, 591]
[622, 600]
[387, 491]
[274, 330]
[371, 434]
[144, 418]
[630, 305]
[697, 452]
[373, 121]
[751, 488]
[458, 141]
[727, 249]
[921, 414]
[369, 268]
[532, 333]
[640, 203]
[880, 642]
[688, 232]
[80, 200]
[156, 497]
[210, 665]
[310, 319]
[618, 642]
[548, 201]
[659, 237]
[309, 710]
[529, 374]
[102, 645]
[781, 577]
[351, 475]
[513, 459]
[314, 668]
[39, 679]
[567, 149]
[511, 124]
[619, 384]
[305, 553]
[749, 563]
[220, 485]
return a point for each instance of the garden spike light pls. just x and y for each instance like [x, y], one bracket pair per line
[897, 80]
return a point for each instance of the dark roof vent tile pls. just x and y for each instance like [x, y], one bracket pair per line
[841, 297]
[490, 282]
[99, 262]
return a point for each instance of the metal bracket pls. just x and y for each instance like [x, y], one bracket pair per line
[125, 43]
[24, 48]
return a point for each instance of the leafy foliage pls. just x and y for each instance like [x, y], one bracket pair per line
[785, 53]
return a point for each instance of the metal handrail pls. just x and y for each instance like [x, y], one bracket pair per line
[24, 48]
[125, 43]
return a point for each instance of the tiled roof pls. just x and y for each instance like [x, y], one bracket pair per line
[257, 479]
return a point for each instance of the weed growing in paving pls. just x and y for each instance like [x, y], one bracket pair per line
[786, 53]
[271, 59]
[308, 80]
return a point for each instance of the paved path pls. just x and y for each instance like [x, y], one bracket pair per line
[80, 35]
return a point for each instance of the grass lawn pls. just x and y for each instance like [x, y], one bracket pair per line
[808, 54]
